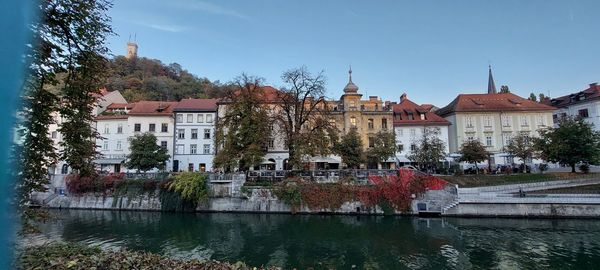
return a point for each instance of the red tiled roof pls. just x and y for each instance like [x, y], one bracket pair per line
[120, 106]
[111, 117]
[405, 107]
[491, 102]
[153, 108]
[196, 104]
[593, 92]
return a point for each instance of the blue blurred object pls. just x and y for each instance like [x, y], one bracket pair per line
[15, 17]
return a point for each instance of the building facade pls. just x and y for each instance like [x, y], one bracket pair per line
[584, 104]
[410, 122]
[194, 134]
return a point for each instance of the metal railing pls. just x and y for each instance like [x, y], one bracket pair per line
[360, 176]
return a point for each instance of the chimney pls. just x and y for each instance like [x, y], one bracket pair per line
[402, 97]
[593, 85]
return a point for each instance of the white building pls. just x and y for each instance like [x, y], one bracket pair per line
[410, 121]
[114, 130]
[584, 104]
[194, 134]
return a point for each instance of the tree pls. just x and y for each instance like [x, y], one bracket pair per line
[302, 119]
[429, 149]
[243, 132]
[350, 149]
[542, 97]
[521, 146]
[572, 142]
[504, 89]
[473, 151]
[533, 97]
[383, 147]
[145, 153]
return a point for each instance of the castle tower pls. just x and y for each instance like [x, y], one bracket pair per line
[131, 50]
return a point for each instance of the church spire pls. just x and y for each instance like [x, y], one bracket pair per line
[350, 74]
[491, 85]
[350, 87]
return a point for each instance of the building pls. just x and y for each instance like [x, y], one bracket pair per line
[368, 117]
[155, 117]
[584, 104]
[493, 118]
[114, 130]
[410, 121]
[194, 134]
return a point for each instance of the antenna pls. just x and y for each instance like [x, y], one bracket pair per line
[129, 40]
[135, 37]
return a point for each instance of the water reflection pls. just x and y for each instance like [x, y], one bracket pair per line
[341, 241]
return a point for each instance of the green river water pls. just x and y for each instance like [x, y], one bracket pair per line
[340, 242]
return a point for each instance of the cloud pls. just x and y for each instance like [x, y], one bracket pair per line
[209, 8]
[162, 27]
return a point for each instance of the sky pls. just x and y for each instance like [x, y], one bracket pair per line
[430, 50]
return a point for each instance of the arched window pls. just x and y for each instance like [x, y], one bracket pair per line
[65, 169]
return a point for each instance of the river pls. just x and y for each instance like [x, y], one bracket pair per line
[340, 242]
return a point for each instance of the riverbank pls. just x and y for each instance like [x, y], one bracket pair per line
[62, 255]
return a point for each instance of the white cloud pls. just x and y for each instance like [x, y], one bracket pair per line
[162, 27]
[208, 7]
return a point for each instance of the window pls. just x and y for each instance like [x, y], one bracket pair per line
[384, 123]
[332, 122]
[190, 118]
[193, 149]
[207, 133]
[413, 132]
[179, 118]
[413, 147]
[119, 146]
[411, 116]
[271, 144]
[400, 132]
[54, 134]
[370, 123]
[163, 144]
[506, 137]
[470, 136]
[190, 167]
[120, 128]
[181, 134]
[105, 145]
[540, 120]
[583, 113]
[207, 149]
[487, 121]
[506, 121]
[353, 121]
[352, 104]
[202, 167]
[554, 118]
[200, 118]
[524, 121]
[209, 118]
[194, 133]
[137, 127]
[106, 130]
[164, 127]
[422, 116]
[400, 147]
[371, 142]
[179, 149]
[469, 121]
[152, 127]
[488, 140]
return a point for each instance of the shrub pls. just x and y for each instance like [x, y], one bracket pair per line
[77, 184]
[584, 167]
[290, 193]
[191, 187]
[543, 167]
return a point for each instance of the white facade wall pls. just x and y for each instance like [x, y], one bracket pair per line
[164, 138]
[113, 142]
[592, 107]
[200, 158]
[407, 135]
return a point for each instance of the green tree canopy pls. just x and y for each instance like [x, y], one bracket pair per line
[521, 146]
[429, 149]
[350, 149]
[145, 153]
[473, 151]
[383, 147]
[572, 142]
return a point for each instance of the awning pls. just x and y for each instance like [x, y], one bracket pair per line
[109, 160]
[325, 160]
[267, 162]
[402, 159]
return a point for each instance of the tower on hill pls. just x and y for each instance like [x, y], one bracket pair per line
[131, 50]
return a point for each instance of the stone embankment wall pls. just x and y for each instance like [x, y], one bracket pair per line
[524, 210]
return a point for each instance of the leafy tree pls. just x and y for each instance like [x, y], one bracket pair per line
[145, 153]
[243, 132]
[429, 149]
[384, 147]
[350, 149]
[301, 116]
[191, 187]
[473, 151]
[521, 146]
[542, 97]
[572, 142]
[533, 97]
[504, 89]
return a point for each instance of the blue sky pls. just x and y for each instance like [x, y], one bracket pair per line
[432, 50]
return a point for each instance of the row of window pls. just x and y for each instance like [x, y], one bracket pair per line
[164, 127]
[194, 133]
[200, 117]
[180, 149]
[583, 113]
[119, 145]
[370, 123]
[400, 132]
[489, 138]
[487, 121]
